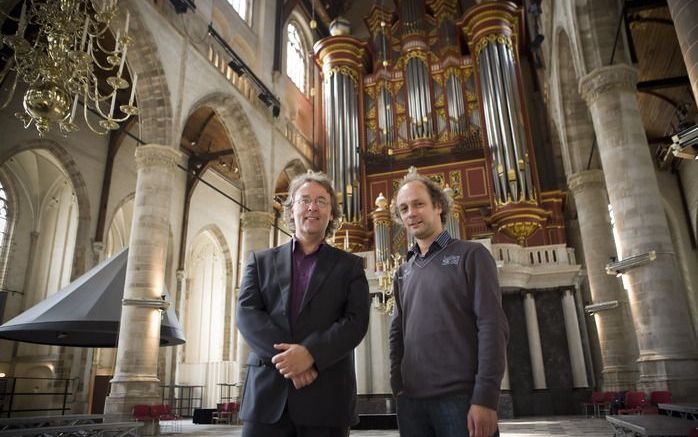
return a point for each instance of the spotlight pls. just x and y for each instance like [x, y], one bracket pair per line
[236, 67]
[182, 6]
[619, 267]
[685, 143]
[601, 306]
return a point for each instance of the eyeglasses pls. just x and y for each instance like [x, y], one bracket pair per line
[320, 202]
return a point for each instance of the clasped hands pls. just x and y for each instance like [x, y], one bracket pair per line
[294, 362]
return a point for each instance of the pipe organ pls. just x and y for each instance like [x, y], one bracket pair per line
[438, 88]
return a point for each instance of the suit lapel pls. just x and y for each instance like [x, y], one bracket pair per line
[327, 258]
[282, 265]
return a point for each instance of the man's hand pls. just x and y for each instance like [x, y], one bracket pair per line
[293, 361]
[305, 378]
[482, 421]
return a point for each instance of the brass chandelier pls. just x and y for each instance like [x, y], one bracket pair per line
[60, 65]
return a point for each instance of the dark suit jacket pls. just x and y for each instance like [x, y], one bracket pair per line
[332, 321]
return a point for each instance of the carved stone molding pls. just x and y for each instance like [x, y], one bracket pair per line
[603, 80]
[155, 155]
[256, 220]
[584, 180]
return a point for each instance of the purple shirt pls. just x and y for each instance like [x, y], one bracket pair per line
[301, 271]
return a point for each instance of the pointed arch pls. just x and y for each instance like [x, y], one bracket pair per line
[118, 230]
[152, 93]
[246, 146]
[82, 258]
[576, 128]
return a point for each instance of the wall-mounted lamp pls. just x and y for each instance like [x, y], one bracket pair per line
[601, 306]
[619, 267]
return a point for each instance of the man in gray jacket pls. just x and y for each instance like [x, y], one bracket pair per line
[448, 333]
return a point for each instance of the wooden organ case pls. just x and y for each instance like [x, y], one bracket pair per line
[440, 89]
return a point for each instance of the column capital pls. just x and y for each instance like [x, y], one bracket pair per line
[256, 220]
[156, 155]
[618, 77]
[583, 180]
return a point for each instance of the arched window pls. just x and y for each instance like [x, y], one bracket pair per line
[242, 8]
[296, 55]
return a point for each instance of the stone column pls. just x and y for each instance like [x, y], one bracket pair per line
[685, 16]
[615, 330]
[666, 341]
[534, 346]
[256, 226]
[135, 378]
[574, 340]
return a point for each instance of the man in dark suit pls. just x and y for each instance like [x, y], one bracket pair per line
[303, 308]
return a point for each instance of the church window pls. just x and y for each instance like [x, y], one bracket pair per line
[242, 8]
[296, 55]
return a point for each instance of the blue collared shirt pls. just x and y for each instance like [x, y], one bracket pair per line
[439, 243]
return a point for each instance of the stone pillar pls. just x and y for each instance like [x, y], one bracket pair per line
[135, 378]
[685, 16]
[574, 340]
[534, 345]
[667, 344]
[256, 227]
[615, 330]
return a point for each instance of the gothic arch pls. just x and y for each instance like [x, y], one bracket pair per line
[110, 222]
[597, 21]
[82, 241]
[228, 337]
[210, 234]
[576, 128]
[152, 93]
[246, 146]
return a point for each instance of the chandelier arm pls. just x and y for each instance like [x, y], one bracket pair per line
[121, 120]
[87, 121]
[98, 108]
[95, 98]
[104, 50]
[9, 17]
[101, 67]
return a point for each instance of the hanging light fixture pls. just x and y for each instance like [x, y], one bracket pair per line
[60, 65]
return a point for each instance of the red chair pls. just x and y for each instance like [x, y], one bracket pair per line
[224, 413]
[656, 398]
[234, 410]
[693, 432]
[597, 399]
[634, 403]
[164, 412]
[142, 413]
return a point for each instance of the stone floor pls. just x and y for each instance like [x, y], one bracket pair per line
[573, 426]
